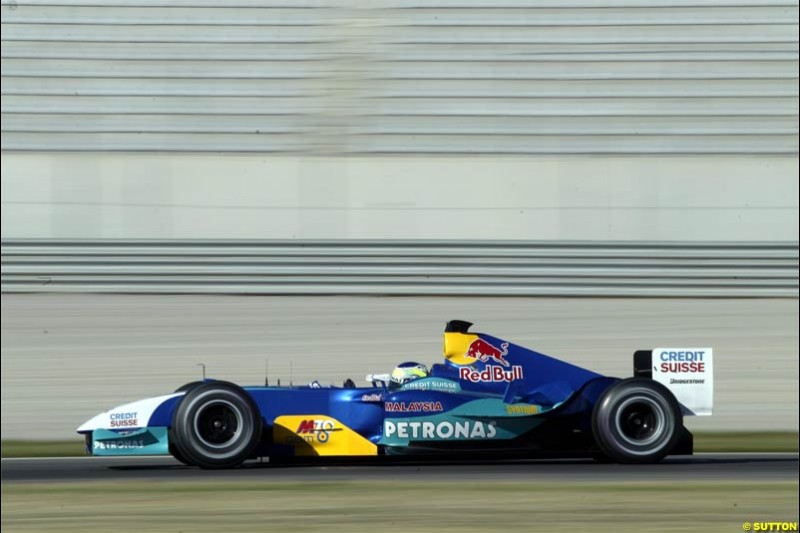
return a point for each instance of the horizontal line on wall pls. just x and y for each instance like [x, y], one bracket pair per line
[403, 267]
[398, 208]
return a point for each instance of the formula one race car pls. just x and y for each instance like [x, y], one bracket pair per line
[488, 396]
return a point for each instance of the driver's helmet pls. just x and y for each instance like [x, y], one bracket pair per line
[407, 372]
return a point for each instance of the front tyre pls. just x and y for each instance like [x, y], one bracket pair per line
[637, 421]
[173, 449]
[216, 425]
[174, 452]
[189, 386]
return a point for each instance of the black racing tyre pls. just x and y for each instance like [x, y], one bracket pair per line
[637, 420]
[176, 452]
[189, 386]
[216, 425]
[172, 448]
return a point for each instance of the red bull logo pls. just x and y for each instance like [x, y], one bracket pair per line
[483, 351]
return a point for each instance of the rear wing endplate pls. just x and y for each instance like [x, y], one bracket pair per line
[687, 372]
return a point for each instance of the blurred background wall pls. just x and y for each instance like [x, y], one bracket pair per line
[473, 197]
[668, 124]
[637, 119]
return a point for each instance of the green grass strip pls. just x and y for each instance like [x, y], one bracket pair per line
[774, 441]
[42, 448]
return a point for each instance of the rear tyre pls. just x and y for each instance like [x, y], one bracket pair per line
[216, 425]
[637, 421]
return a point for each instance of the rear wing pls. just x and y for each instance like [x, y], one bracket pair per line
[687, 372]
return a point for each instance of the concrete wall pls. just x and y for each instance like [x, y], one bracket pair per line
[402, 76]
[185, 196]
[596, 119]
[67, 357]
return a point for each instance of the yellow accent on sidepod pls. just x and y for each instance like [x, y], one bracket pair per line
[319, 435]
[456, 346]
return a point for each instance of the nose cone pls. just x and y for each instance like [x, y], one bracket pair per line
[126, 417]
[96, 422]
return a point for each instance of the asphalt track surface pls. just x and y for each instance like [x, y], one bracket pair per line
[700, 467]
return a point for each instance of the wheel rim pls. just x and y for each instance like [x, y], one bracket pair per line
[640, 421]
[218, 423]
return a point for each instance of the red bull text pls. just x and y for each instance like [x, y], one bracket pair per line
[491, 374]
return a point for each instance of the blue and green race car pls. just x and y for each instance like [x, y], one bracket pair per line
[488, 397]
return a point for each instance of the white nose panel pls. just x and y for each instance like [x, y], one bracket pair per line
[129, 416]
